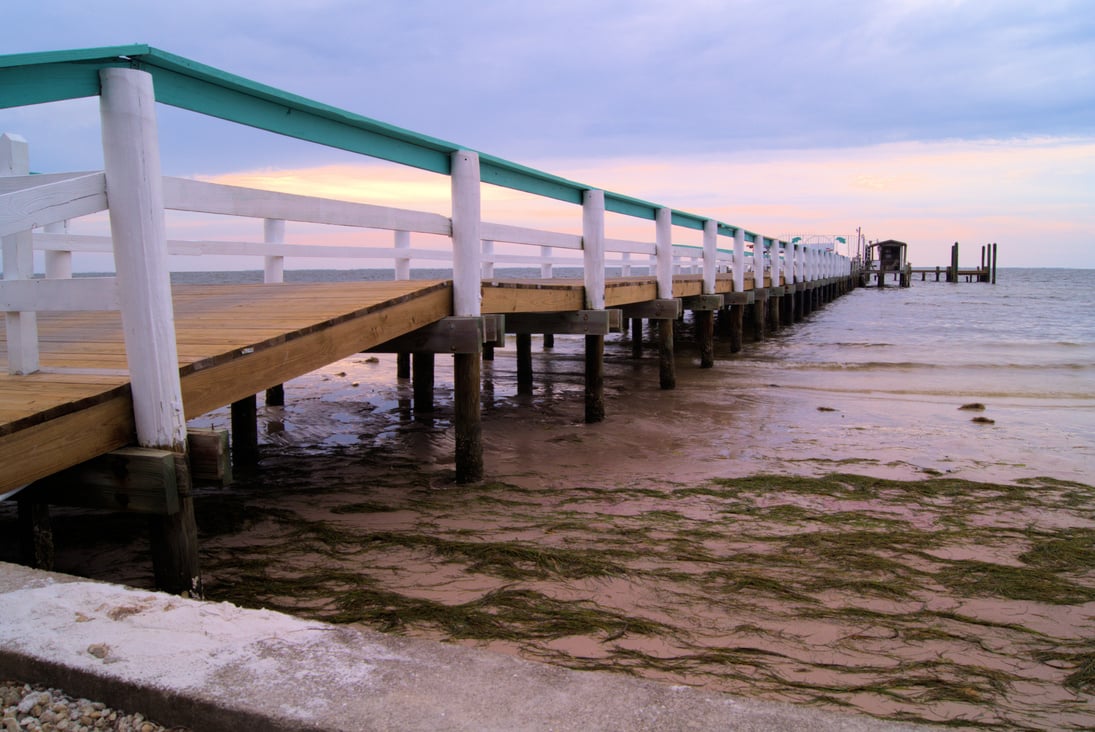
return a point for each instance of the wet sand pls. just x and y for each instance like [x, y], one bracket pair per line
[693, 537]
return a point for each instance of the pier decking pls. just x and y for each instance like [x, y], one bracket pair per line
[235, 341]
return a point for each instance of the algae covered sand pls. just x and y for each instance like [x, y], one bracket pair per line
[941, 600]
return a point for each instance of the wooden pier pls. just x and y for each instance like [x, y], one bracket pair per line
[101, 374]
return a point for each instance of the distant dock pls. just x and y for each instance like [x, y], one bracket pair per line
[888, 259]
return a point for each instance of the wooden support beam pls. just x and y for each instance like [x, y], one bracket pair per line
[132, 479]
[739, 298]
[661, 309]
[275, 396]
[494, 330]
[579, 322]
[448, 335]
[700, 303]
[209, 456]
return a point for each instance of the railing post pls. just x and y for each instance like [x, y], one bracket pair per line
[402, 260]
[759, 292]
[663, 253]
[593, 261]
[402, 272]
[18, 250]
[135, 189]
[466, 300]
[58, 262]
[273, 232]
[488, 259]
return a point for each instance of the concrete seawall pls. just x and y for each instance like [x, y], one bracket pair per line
[215, 666]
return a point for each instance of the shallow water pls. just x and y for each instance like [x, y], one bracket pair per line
[621, 546]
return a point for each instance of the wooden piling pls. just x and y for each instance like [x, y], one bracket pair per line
[35, 534]
[275, 396]
[667, 368]
[403, 366]
[993, 276]
[467, 418]
[524, 363]
[422, 382]
[595, 378]
[705, 336]
[245, 432]
[737, 325]
[636, 338]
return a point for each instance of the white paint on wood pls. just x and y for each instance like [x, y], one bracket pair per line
[134, 186]
[194, 248]
[466, 212]
[58, 263]
[17, 248]
[776, 264]
[59, 295]
[593, 248]
[488, 259]
[663, 252]
[758, 262]
[31, 206]
[402, 240]
[631, 247]
[524, 235]
[739, 260]
[710, 255]
[625, 266]
[546, 264]
[183, 194]
[273, 232]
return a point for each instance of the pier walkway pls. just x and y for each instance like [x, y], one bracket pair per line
[103, 373]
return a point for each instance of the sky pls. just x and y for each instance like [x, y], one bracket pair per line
[927, 121]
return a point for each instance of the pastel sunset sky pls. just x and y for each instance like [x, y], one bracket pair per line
[929, 121]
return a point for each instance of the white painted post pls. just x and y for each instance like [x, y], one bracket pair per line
[739, 260]
[776, 264]
[135, 189]
[710, 253]
[625, 265]
[488, 259]
[545, 267]
[593, 248]
[18, 251]
[466, 210]
[58, 263]
[758, 262]
[273, 232]
[402, 261]
[663, 252]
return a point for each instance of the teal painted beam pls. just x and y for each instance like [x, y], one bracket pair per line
[287, 119]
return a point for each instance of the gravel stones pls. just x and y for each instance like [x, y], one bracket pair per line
[29, 708]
